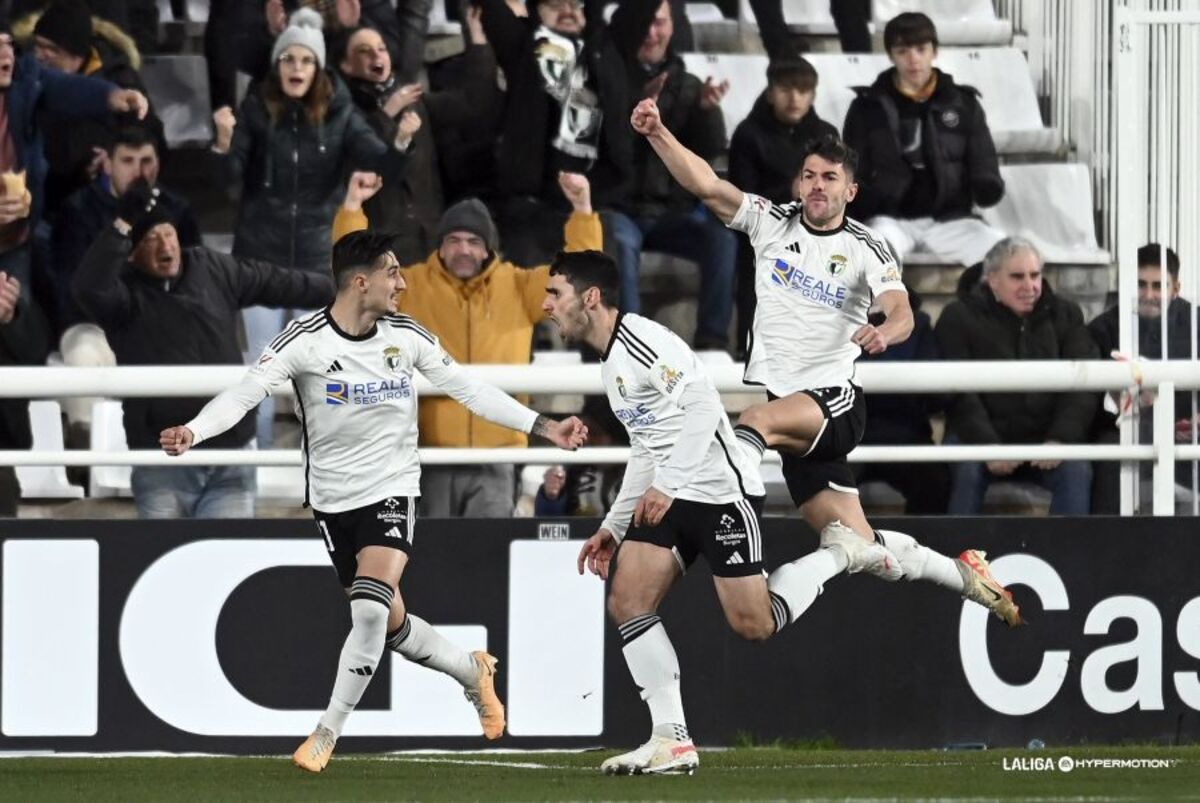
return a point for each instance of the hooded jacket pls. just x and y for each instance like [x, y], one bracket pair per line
[293, 174]
[35, 89]
[189, 320]
[765, 154]
[957, 143]
[488, 318]
[69, 143]
[978, 327]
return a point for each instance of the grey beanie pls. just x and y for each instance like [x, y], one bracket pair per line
[304, 29]
[473, 216]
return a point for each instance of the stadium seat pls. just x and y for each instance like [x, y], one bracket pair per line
[746, 74]
[1051, 205]
[46, 482]
[439, 25]
[108, 435]
[959, 22]
[283, 484]
[705, 14]
[197, 10]
[558, 403]
[178, 89]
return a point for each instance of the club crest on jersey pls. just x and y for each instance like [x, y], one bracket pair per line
[837, 265]
[337, 393]
[391, 358]
[621, 388]
[670, 378]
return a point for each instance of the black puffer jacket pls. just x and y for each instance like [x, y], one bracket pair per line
[958, 146]
[765, 154]
[978, 327]
[190, 320]
[293, 176]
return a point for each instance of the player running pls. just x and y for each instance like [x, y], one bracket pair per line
[816, 274]
[352, 365]
[688, 491]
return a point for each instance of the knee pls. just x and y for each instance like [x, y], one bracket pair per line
[754, 417]
[622, 608]
[752, 626]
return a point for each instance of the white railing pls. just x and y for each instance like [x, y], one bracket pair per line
[942, 377]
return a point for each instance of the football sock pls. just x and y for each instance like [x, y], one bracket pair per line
[922, 563]
[655, 669]
[419, 642]
[370, 601]
[795, 586]
[753, 443]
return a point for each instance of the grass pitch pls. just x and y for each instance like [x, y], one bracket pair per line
[736, 774]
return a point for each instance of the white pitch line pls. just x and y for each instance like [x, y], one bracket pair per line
[520, 765]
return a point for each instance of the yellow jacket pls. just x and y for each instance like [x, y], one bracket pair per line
[488, 318]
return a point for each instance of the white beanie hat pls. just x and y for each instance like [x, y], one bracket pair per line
[304, 29]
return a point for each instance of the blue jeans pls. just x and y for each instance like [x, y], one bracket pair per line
[1070, 485]
[194, 492]
[694, 235]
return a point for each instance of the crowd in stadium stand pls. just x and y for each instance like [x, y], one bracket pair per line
[482, 167]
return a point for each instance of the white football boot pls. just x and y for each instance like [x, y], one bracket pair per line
[871, 557]
[659, 756]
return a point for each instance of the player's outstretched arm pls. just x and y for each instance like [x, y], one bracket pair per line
[569, 434]
[896, 329]
[693, 173]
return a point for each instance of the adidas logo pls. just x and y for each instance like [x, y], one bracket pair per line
[334, 367]
[394, 533]
[734, 559]
[365, 671]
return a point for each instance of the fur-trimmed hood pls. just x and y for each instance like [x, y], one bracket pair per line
[107, 32]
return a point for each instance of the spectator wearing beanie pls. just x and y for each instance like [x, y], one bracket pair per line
[160, 304]
[482, 308]
[293, 141]
[67, 37]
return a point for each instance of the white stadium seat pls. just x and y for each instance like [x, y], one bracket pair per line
[439, 25]
[746, 74]
[178, 89]
[959, 22]
[1051, 205]
[46, 482]
[108, 435]
[281, 484]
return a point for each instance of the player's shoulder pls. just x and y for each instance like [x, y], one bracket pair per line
[869, 241]
[300, 330]
[406, 325]
[647, 341]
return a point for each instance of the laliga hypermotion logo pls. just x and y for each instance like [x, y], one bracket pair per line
[670, 378]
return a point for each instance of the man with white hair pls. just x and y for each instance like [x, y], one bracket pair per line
[1013, 315]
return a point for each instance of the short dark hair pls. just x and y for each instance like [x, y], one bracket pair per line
[1150, 256]
[795, 72]
[358, 252]
[131, 136]
[910, 28]
[584, 269]
[831, 148]
[341, 41]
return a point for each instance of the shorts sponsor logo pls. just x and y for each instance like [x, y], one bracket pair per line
[819, 291]
[729, 530]
[392, 511]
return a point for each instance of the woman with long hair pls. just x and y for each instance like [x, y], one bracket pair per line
[293, 143]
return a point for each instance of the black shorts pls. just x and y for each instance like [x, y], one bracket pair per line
[386, 523]
[727, 535]
[824, 465]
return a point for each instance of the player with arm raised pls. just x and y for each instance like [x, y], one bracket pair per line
[688, 491]
[352, 368]
[817, 273]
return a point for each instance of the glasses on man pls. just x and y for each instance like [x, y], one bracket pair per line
[292, 60]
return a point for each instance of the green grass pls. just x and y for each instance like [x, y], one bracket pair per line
[741, 774]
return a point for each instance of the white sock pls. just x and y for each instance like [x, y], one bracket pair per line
[800, 582]
[655, 669]
[922, 563]
[362, 650]
[419, 642]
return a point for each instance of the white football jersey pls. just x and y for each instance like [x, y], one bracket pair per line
[814, 291]
[645, 369]
[357, 404]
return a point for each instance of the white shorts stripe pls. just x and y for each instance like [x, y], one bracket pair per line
[816, 440]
